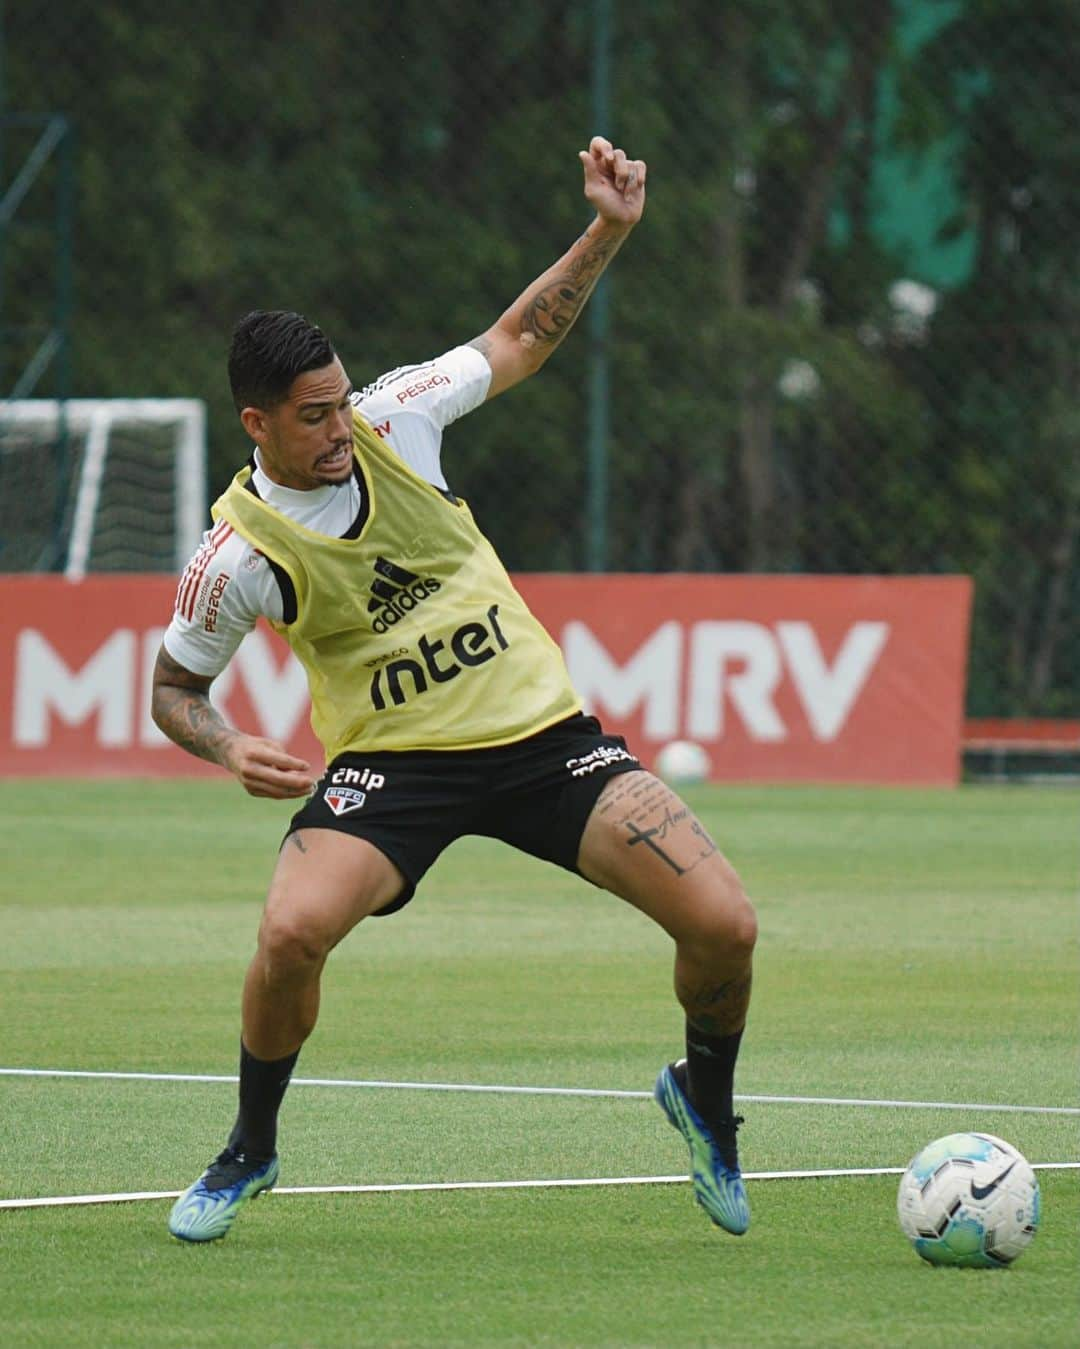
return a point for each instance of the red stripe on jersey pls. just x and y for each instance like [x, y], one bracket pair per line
[195, 570]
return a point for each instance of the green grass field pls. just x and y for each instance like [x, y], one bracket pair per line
[914, 946]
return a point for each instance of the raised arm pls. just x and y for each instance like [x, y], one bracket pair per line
[538, 320]
[181, 707]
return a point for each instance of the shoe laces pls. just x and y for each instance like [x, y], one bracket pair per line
[227, 1168]
[721, 1130]
[724, 1141]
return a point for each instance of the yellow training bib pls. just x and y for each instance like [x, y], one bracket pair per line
[412, 634]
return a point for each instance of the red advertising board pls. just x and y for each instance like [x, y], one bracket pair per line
[803, 678]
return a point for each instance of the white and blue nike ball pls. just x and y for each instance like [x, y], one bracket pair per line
[969, 1199]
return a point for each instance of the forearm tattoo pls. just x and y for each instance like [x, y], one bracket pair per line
[550, 313]
[655, 818]
[183, 710]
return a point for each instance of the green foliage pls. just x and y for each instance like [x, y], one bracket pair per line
[1013, 401]
[400, 172]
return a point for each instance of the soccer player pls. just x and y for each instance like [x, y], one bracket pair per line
[443, 706]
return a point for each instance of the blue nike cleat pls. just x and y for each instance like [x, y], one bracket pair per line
[206, 1210]
[718, 1183]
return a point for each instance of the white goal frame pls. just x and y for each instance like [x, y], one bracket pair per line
[95, 418]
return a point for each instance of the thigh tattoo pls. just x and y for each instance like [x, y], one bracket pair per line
[649, 815]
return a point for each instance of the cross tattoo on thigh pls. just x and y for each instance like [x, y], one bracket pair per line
[648, 837]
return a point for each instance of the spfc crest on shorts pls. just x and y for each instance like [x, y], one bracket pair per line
[343, 799]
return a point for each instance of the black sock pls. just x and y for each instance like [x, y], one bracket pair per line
[710, 1072]
[262, 1088]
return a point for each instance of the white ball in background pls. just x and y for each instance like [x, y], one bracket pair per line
[683, 762]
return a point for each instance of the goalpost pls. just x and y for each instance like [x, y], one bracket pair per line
[101, 484]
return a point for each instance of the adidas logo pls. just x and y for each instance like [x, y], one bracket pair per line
[395, 592]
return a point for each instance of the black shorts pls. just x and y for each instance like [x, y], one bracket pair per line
[535, 794]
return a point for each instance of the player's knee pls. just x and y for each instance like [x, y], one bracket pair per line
[743, 929]
[727, 928]
[291, 942]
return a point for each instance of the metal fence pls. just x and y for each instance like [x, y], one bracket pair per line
[844, 338]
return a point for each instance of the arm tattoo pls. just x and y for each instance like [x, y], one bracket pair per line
[182, 708]
[483, 344]
[551, 312]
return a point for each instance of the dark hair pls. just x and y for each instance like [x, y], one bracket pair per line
[269, 349]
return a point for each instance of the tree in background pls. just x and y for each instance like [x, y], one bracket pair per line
[1003, 372]
[796, 385]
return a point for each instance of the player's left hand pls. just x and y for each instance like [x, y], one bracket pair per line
[614, 185]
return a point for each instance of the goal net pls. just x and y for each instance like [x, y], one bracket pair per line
[101, 484]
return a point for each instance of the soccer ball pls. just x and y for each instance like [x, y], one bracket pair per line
[969, 1199]
[682, 762]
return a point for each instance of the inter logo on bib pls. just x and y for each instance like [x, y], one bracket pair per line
[342, 800]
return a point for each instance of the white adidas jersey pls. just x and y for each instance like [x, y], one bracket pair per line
[228, 584]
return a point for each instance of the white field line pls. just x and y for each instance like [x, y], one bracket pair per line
[538, 1091]
[57, 1201]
